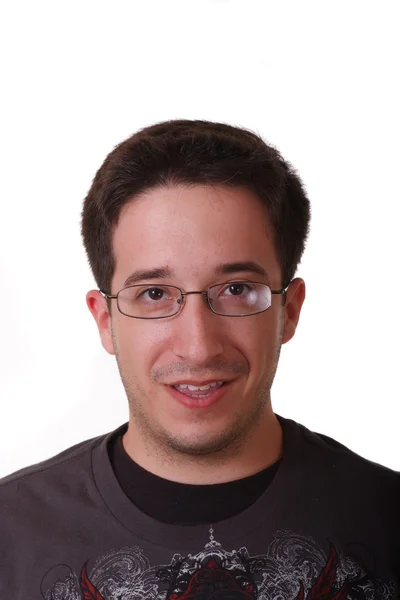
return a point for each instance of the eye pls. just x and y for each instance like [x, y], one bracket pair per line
[237, 289]
[154, 293]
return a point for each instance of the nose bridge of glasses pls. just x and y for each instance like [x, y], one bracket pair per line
[200, 293]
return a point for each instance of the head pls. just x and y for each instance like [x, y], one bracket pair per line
[193, 204]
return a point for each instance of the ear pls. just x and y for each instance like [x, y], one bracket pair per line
[294, 301]
[98, 307]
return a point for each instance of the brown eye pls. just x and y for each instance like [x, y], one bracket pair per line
[155, 293]
[236, 289]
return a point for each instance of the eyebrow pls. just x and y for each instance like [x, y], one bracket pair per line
[158, 273]
[222, 269]
[247, 266]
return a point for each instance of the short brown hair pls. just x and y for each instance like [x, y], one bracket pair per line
[194, 152]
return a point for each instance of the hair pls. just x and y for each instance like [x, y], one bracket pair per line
[185, 152]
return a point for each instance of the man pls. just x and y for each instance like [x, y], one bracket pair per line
[194, 231]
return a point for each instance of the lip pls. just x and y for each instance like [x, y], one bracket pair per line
[199, 403]
[197, 383]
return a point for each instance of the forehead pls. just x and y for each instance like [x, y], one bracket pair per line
[193, 228]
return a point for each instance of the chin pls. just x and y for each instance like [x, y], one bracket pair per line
[204, 445]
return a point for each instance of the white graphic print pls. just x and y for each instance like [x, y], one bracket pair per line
[293, 568]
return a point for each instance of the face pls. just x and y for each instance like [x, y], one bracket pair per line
[191, 235]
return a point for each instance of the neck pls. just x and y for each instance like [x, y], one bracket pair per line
[259, 448]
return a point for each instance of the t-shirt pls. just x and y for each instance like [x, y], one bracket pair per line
[181, 503]
[327, 527]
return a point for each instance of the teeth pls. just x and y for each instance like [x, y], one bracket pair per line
[195, 388]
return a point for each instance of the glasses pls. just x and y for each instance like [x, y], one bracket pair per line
[231, 299]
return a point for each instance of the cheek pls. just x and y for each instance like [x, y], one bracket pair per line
[259, 332]
[259, 341]
[140, 342]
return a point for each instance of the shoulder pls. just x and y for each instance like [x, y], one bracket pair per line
[39, 497]
[327, 456]
[346, 456]
[60, 466]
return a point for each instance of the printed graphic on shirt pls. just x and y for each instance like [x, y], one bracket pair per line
[293, 568]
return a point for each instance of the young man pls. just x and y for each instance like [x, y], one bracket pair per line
[194, 231]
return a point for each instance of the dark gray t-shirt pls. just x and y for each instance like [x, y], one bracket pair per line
[327, 527]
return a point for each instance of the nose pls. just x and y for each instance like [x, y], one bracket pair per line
[198, 332]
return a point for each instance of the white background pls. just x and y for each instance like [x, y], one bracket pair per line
[317, 79]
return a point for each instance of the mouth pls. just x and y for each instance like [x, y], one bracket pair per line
[198, 394]
[198, 390]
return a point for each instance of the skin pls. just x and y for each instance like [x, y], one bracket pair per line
[191, 230]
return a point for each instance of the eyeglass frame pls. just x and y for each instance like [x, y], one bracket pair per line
[204, 293]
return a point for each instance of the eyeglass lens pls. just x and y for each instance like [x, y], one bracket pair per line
[158, 301]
